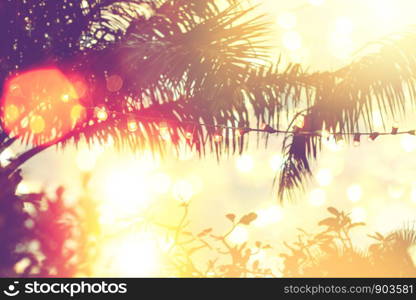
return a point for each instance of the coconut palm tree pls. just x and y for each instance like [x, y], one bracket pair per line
[183, 63]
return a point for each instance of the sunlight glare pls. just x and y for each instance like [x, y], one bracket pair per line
[268, 216]
[245, 163]
[292, 40]
[239, 235]
[317, 197]
[354, 193]
[132, 255]
[408, 143]
[358, 214]
[287, 20]
[276, 162]
[183, 190]
[324, 177]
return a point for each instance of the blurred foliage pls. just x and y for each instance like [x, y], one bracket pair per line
[45, 236]
[332, 253]
[229, 259]
[42, 236]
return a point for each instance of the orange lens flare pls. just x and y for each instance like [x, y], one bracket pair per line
[40, 106]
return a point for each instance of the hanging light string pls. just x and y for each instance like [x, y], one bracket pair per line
[102, 113]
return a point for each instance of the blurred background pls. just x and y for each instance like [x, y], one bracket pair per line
[375, 182]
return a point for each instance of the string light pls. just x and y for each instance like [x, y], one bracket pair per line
[102, 114]
[395, 129]
[218, 137]
[188, 135]
[132, 125]
[374, 135]
[189, 132]
[242, 131]
[357, 139]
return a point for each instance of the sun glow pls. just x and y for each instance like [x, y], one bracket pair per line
[131, 255]
[39, 103]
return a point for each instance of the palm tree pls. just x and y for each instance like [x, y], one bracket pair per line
[184, 63]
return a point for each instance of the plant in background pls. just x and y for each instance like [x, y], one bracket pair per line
[332, 253]
[206, 254]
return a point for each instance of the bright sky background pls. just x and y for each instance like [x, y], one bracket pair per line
[376, 181]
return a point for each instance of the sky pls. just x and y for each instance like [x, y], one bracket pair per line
[375, 181]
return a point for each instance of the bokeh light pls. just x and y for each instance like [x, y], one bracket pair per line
[39, 103]
[358, 214]
[317, 197]
[292, 40]
[354, 193]
[245, 163]
[324, 177]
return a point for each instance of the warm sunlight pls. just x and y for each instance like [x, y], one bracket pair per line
[215, 138]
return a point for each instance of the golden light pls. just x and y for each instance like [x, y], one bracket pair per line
[245, 163]
[101, 113]
[65, 97]
[188, 135]
[37, 124]
[292, 40]
[217, 138]
[77, 113]
[408, 143]
[358, 214]
[183, 190]
[239, 235]
[164, 131]
[287, 20]
[131, 255]
[37, 102]
[132, 126]
[125, 192]
[317, 197]
[11, 113]
[268, 216]
[354, 193]
[324, 177]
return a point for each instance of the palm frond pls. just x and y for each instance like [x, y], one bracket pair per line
[344, 100]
